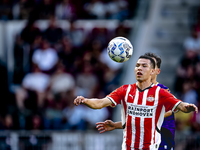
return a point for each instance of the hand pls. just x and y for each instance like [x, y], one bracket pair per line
[79, 100]
[191, 107]
[107, 125]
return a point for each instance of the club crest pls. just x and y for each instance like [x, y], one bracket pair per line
[150, 98]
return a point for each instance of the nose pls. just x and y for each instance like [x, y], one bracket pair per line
[139, 68]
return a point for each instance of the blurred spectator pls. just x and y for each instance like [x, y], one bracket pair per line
[77, 35]
[61, 81]
[65, 10]
[117, 9]
[8, 122]
[46, 57]
[122, 30]
[53, 33]
[45, 9]
[67, 54]
[195, 121]
[86, 81]
[23, 8]
[30, 32]
[5, 10]
[189, 94]
[74, 117]
[99, 35]
[192, 43]
[186, 69]
[36, 84]
[34, 122]
[93, 116]
[96, 9]
[18, 61]
[36, 80]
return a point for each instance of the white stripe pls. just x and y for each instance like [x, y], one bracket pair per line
[133, 118]
[127, 92]
[154, 115]
[144, 100]
[123, 114]
[112, 100]
[161, 118]
[159, 124]
[176, 105]
[123, 118]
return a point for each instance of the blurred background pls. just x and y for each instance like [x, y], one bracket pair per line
[53, 50]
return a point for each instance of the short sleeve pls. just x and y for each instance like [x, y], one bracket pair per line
[168, 100]
[117, 95]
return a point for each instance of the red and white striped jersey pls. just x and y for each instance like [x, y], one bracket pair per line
[144, 111]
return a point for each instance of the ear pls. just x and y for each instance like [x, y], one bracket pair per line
[158, 71]
[152, 71]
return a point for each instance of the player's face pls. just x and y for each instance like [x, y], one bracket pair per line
[143, 70]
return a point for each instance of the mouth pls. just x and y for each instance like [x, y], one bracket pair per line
[139, 74]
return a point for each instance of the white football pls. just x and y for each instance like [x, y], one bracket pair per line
[120, 49]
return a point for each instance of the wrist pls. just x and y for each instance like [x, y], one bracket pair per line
[118, 125]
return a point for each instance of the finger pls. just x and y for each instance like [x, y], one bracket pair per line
[98, 126]
[102, 131]
[108, 122]
[75, 102]
[101, 128]
[99, 123]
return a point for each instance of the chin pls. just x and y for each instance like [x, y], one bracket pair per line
[139, 80]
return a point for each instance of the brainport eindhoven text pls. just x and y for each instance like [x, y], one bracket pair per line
[140, 111]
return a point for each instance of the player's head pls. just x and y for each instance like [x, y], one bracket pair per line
[155, 57]
[144, 68]
[158, 61]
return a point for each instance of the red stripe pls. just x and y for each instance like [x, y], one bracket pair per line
[140, 98]
[148, 121]
[129, 134]
[147, 132]
[137, 133]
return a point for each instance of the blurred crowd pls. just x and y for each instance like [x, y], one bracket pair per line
[67, 9]
[187, 83]
[54, 65]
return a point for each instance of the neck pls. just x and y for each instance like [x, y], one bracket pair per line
[154, 81]
[144, 84]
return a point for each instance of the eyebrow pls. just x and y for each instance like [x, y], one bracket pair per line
[142, 63]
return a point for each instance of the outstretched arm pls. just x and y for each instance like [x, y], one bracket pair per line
[108, 125]
[93, 102]
[187, 108]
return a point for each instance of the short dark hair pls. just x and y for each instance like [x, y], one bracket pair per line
[153, 64]
[158, 59]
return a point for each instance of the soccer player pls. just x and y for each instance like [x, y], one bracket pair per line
[168, 127]
[144, 105]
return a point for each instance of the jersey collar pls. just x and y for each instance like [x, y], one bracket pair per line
[145, 88]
